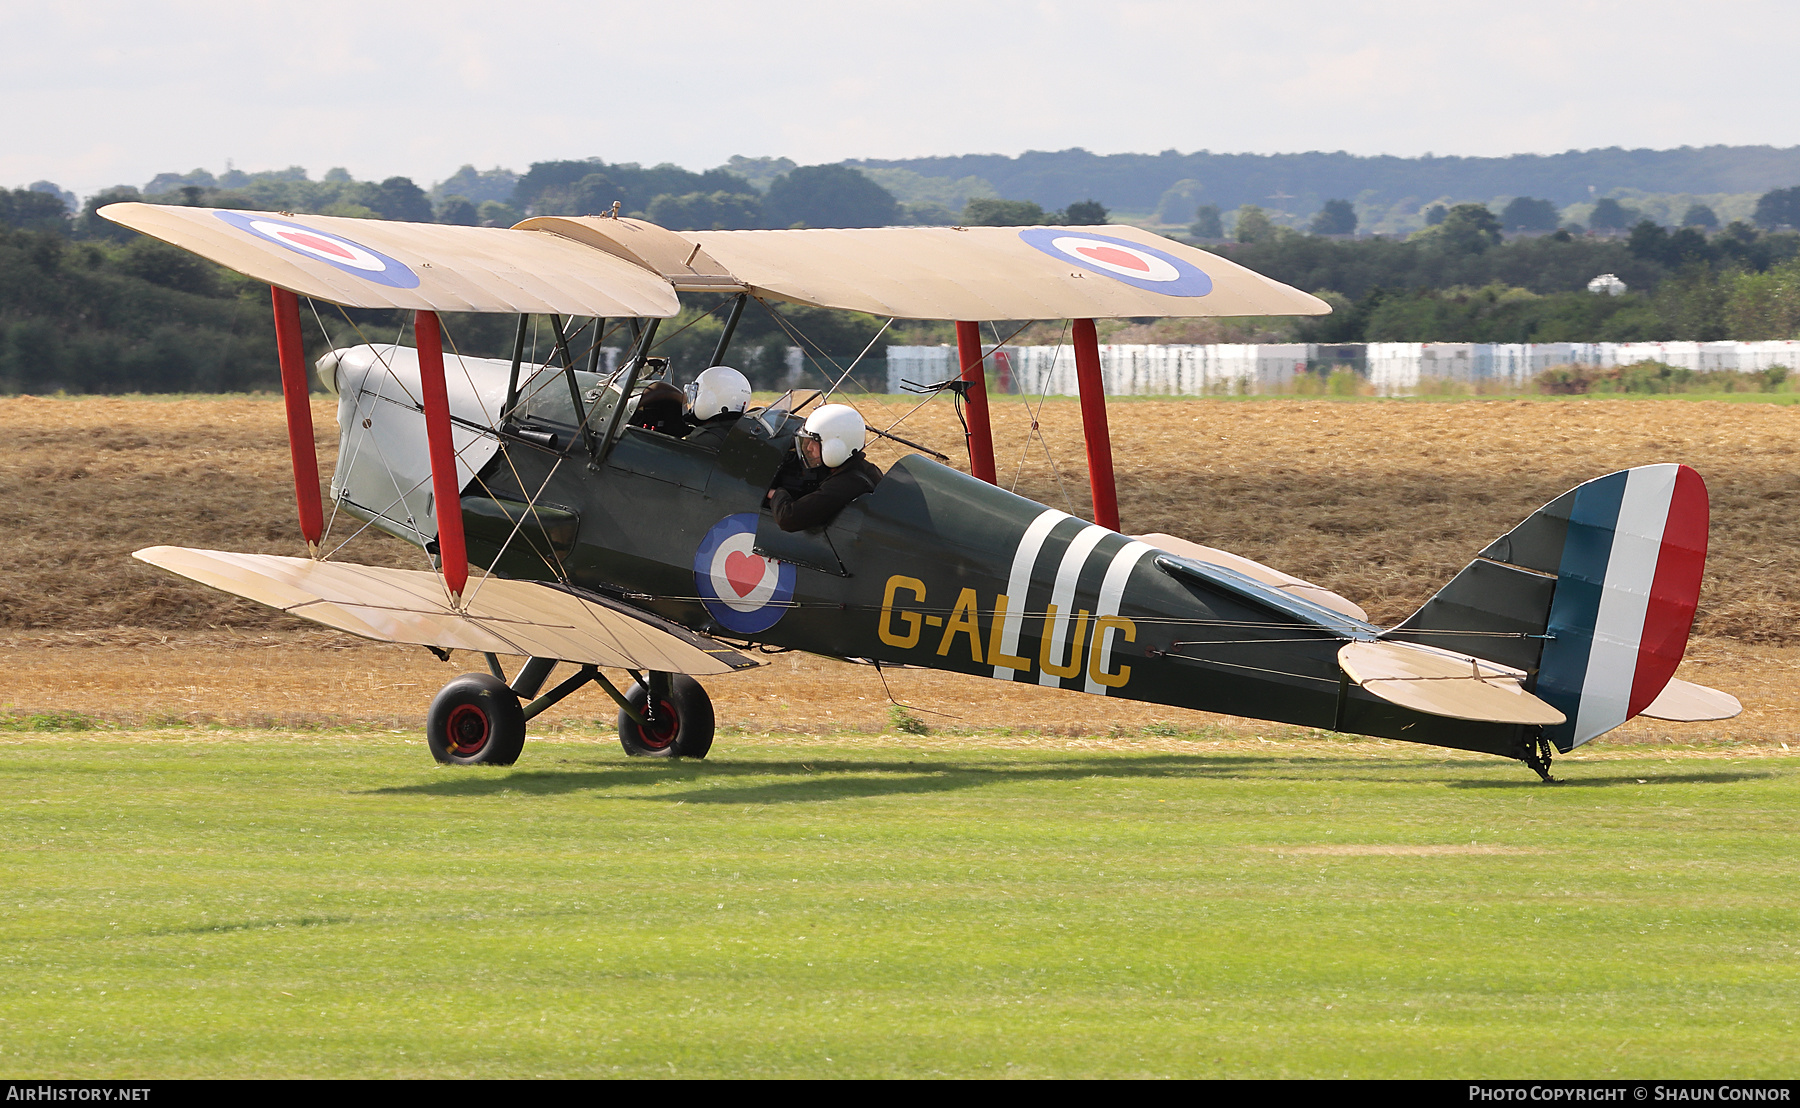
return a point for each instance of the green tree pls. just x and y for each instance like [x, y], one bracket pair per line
[34, 211]
[1693, 304]
[159, 263]
[477, 186]
[1778, 208]
[90, 225]
[1207, 224]
[1337, 217]
[492, 213]
[1610, 215]
[928, 213]
[707, 211]
[759, 172]
[1761, 306]
[1085, 213]
[1523, 213]
[1701, 216]
[1435, 214]
[1469, 229]
[171, 182]
[398, 198]
[1254, 225]
[458, 210]
[989, 211]
[589, 186]
[829, 196]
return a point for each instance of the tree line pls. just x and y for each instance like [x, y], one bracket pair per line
[1473, 276]
[86, 305]
[1143, 183]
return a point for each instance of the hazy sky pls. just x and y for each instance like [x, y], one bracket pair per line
[107, 92]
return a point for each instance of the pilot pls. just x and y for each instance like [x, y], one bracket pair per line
[827, 472]
[659, 409]
[716, 399]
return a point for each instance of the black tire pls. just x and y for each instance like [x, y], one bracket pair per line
[475, 720]
[682, 726]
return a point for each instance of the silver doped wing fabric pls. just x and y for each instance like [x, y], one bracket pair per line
[522, 618]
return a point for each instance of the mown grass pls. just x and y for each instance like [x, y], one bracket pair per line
[269, 904]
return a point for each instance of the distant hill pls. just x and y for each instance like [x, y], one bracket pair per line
[1141, 183]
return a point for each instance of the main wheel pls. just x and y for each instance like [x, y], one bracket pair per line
[475, 720]
[679, 726]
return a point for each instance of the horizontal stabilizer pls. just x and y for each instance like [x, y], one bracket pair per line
[522, 618]
[1286, 582]
[1685, 702]
[1444, 683]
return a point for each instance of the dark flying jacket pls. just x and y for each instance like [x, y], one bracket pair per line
[812, 498]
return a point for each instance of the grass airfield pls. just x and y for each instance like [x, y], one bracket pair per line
[225, 852]
[214, 902]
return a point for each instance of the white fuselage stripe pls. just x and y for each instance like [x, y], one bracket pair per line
[1112, 592]
[1018, 582]
[1625, 600]
[1068, 575]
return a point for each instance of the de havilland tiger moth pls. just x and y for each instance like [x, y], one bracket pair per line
[603, 540]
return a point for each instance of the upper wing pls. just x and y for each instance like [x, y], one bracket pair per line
[521, 618]
[372, 263]
[590, 265]
[975, 273]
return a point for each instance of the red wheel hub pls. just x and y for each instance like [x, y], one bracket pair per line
[467, 730]
[662, 729]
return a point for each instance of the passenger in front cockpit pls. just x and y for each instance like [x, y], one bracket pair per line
[716, 399]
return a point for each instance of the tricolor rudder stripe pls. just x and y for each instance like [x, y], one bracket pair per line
[1627, 585]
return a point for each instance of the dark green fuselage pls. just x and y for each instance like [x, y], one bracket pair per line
[922, 572]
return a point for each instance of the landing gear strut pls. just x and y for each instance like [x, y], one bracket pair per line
[1538, 752]
[673, 718]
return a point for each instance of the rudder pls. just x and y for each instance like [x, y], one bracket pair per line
[1595, 591]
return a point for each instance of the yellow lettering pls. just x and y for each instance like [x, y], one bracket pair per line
[1078, 637]
[910, 619]
[1098, 656]
[964, 619]
[997, 654]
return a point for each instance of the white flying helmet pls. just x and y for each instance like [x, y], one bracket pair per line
[717, 391]
[839, 431]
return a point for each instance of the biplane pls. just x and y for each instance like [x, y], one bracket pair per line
[561, 534]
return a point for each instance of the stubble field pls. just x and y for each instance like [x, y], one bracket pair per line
[1381, 501]
[226, 854]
